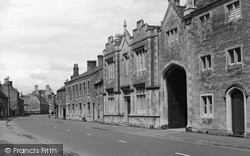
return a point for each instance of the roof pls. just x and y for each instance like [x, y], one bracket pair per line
[179, 9]
[61, 89]
[2, 95]
[85, 74]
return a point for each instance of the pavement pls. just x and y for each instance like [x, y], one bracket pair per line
[8, 135]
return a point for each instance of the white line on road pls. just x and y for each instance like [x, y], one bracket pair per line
[45, 125]
[182, 154]
[88, 134]
[122, 141]
[68, 130]
[39, 123]
[54, 127]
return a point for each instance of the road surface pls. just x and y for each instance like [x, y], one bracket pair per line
[96, 141]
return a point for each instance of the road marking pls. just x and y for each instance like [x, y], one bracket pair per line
[88, 134]
[54, 127]
[122, 141]
[182, 154]
[39, 123]
[45, 125]
[68, 130]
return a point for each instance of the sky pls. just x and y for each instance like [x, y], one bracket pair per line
[40, 40]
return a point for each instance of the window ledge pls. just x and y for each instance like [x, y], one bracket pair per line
[140, 115]
[207, 117]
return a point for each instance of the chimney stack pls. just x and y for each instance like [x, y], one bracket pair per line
[47, 88]
[100, 60]
[75, 70]
[6, 80]
[36, 88]
[176, 2]
[91, 64]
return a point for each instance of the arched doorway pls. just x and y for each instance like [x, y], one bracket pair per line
[177, 96]
[238, 123]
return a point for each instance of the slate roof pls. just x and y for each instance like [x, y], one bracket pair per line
[60, 89]
[85, 74]
[2, 95]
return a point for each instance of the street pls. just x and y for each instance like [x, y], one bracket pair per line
[85, 140]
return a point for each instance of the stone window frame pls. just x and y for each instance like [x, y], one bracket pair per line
[111, 102]
[88, 87]
[141, 99]
[77, 90]
[84, 88]
[69, 92]
[73, 108]
[202, 69]
[80, 108]
[68, 109]
[208, 107]
[228, 56]
[172, 35]
[110, 68]
[80, 89]
[88, 103]
[125, 59]
[140, 58]
[208, 26]
[235, 17]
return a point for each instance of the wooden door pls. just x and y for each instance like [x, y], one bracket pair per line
[238, 112]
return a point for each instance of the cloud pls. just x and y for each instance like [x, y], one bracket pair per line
[39, 76]
[59, 66]
[41, 39]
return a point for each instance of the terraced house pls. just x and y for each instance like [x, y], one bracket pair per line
[84, 93]
[191, 71]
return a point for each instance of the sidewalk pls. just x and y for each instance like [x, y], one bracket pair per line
[175, 134]
[7, 136]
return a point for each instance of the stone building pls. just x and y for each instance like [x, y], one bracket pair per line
[192, 71]
[204, 66]
[3, 105]
[131, 77]
[61, 103]
[26, 99]
[20, 111]
[41, 101]
[84, 93]
[14, 102]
